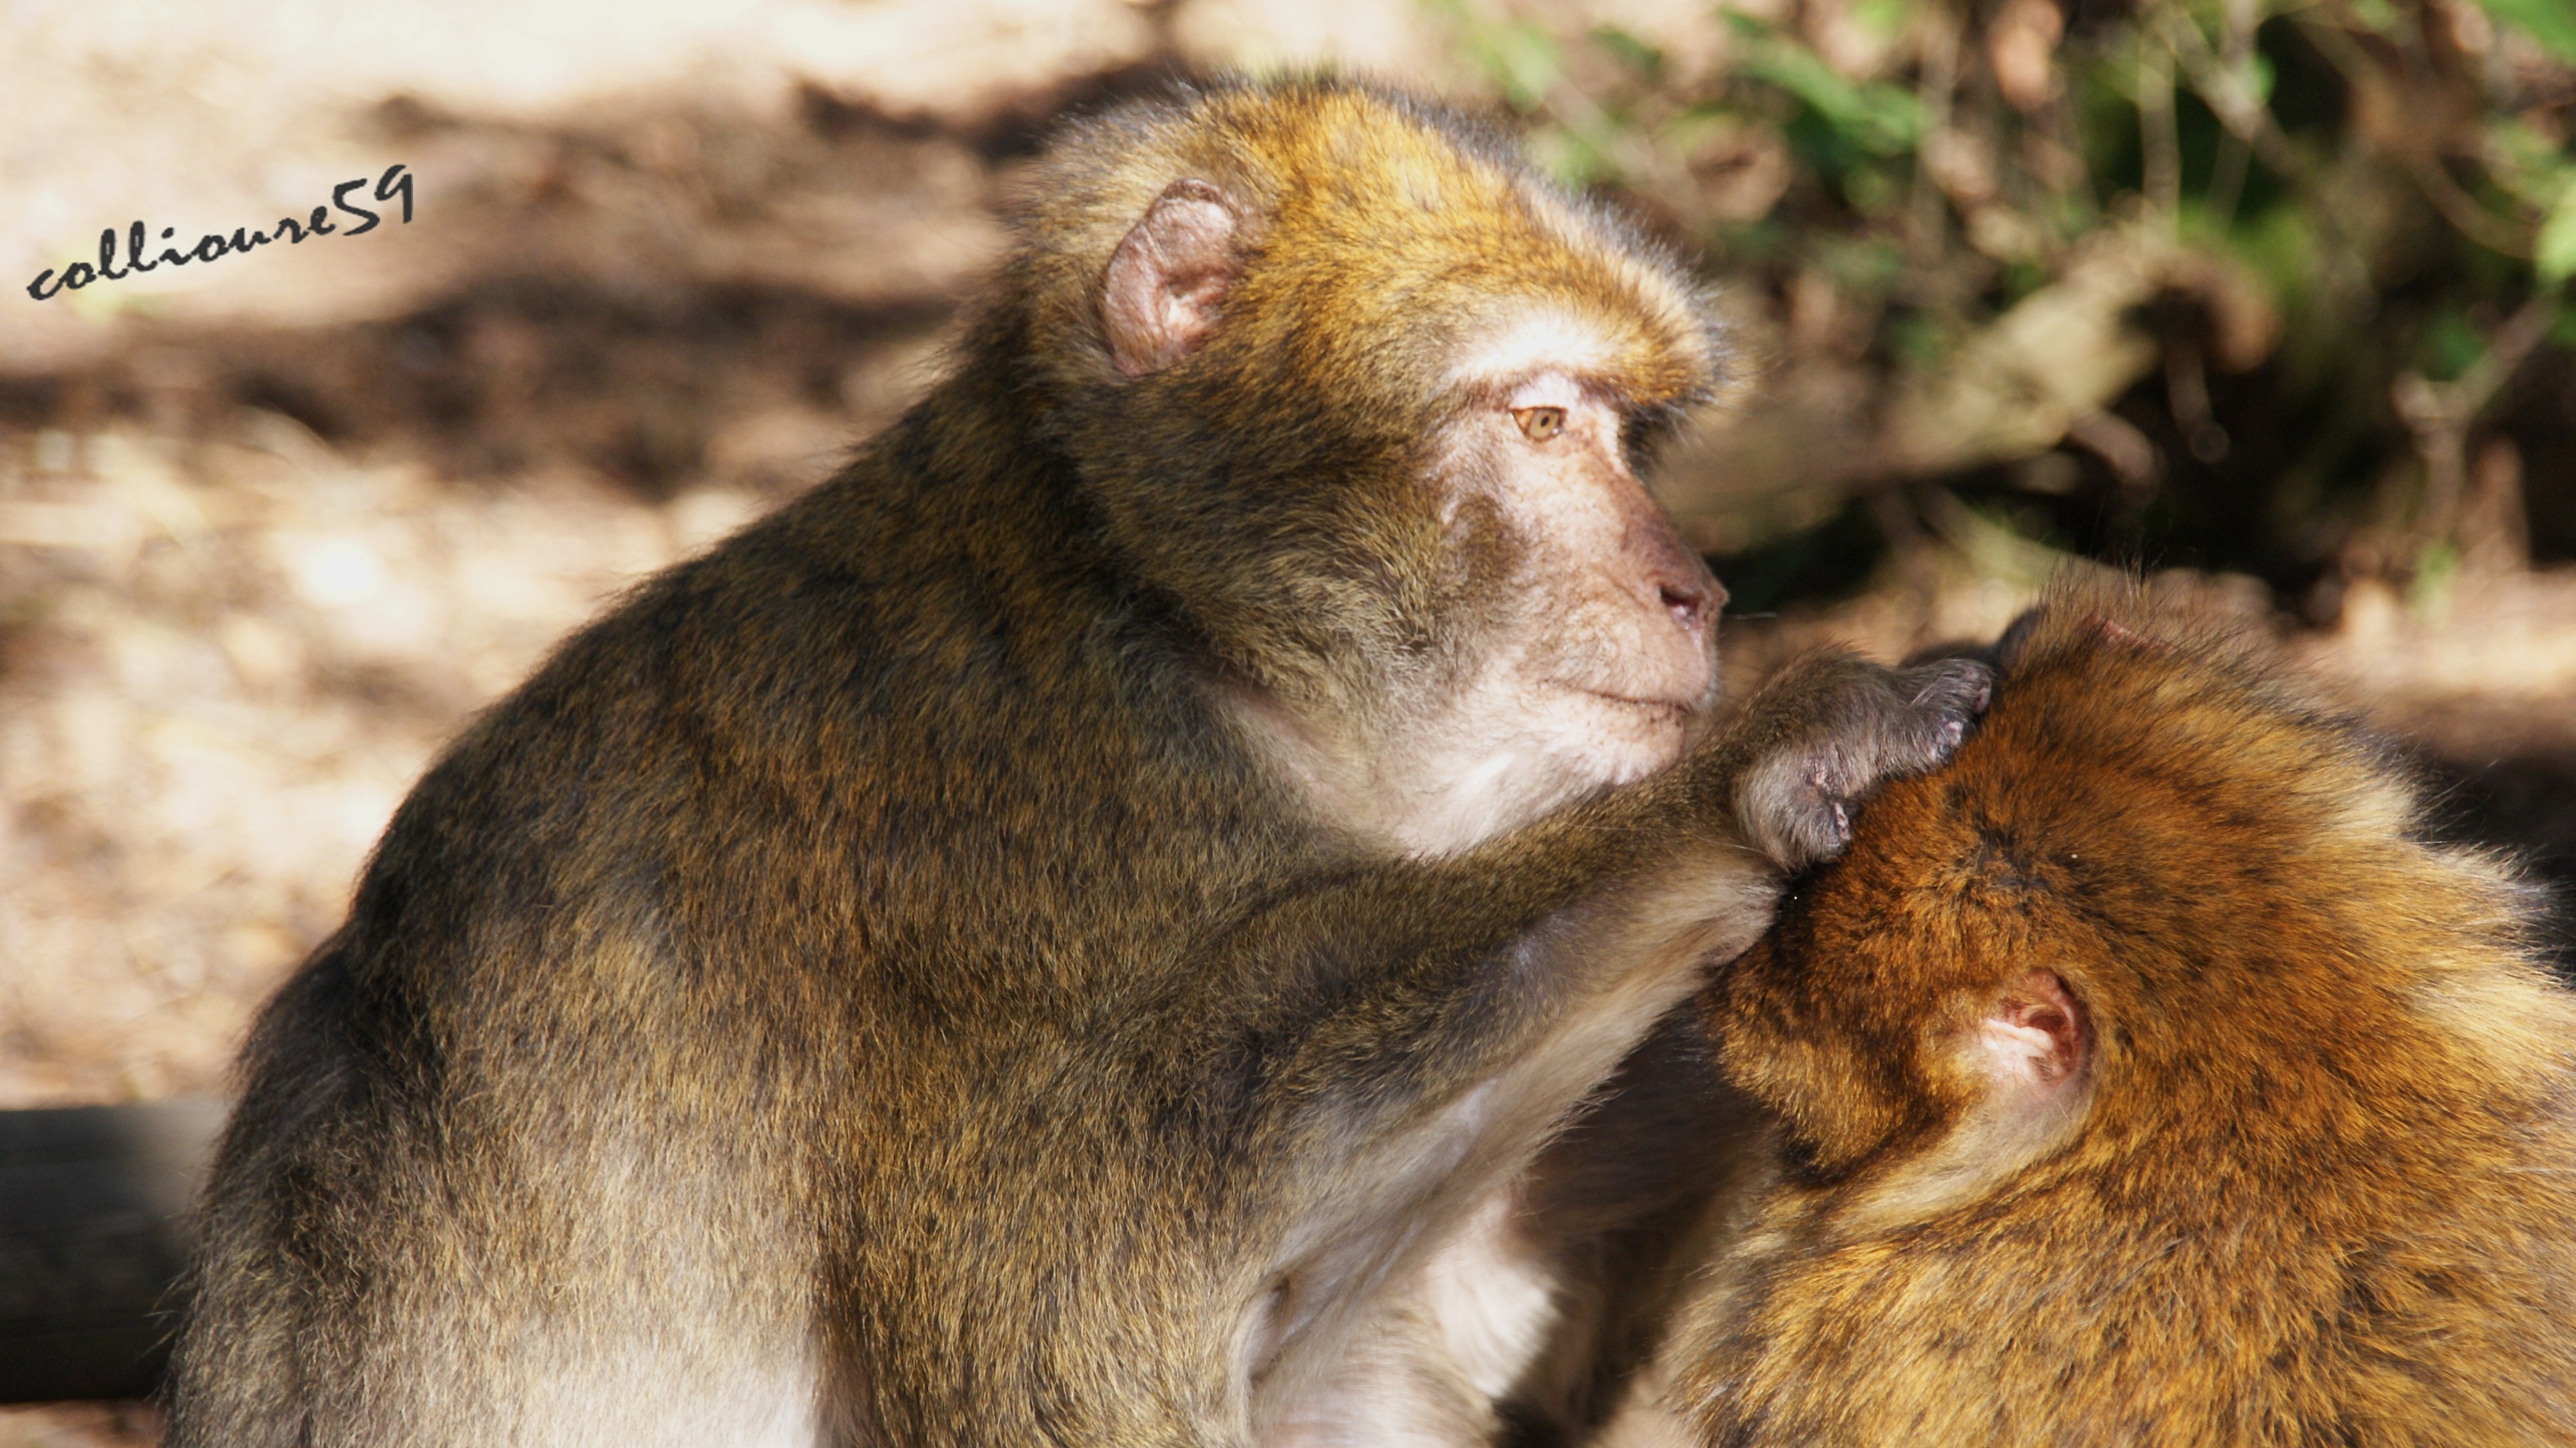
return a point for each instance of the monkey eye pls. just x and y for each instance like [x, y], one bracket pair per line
[1538, 424]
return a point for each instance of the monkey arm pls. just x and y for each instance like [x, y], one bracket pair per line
[1428, 969]
[1424, 1025]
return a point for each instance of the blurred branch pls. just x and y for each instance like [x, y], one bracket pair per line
[2227, 177]
[2121, 447]
[2462, 210]
[2439, 415]
[1939, 84]
[1991, 549]
[93, 1230]
[2045, 371]
[2159, 143]
[2229, 94]
[2457, 207]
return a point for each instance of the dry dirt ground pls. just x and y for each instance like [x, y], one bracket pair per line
[272, 527]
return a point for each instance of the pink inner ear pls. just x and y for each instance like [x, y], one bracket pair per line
[2035, 1037]
[2112, 633]
[1168, 278]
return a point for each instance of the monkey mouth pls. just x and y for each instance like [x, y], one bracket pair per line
[1658, 705]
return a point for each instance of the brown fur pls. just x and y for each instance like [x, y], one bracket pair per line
[931, 970]
[2314, 1181]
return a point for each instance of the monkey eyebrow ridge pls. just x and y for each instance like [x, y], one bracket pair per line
[1547, 340]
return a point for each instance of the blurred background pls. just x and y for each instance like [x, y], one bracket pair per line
[2271, 290]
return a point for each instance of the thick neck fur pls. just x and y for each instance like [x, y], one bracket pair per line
[963, 543]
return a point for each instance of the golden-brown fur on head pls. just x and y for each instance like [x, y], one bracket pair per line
[2145, 1079]
[1382, 240]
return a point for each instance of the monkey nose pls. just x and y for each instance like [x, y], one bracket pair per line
[1688, 602]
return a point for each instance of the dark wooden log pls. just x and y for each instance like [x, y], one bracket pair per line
[93, 1219]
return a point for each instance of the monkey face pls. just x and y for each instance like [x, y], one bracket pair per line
[1608, 632]
[1592, 660]
[1580, 634]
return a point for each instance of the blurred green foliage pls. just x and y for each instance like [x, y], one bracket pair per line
[2275, 285]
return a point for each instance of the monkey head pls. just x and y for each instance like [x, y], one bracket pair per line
[1364, 403]
[2118, 931]
[2099, 891]
[2143, 1075]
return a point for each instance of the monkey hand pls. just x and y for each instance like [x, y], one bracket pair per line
[1826, 729]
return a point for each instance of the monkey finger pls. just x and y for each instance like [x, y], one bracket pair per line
[1945, 699]
[1861, 725]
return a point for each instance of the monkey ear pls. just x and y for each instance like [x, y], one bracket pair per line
[2035, 1040]
[2110, 632]
[1168, 279]
[2016, 638]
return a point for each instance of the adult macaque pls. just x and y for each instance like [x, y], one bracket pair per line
[2145, 1078]
[1051, 937]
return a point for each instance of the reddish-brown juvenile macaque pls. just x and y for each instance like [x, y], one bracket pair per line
[2145, 1077]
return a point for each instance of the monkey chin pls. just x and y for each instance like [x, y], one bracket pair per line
[1489, 759]
[1561, 744]
[1516, 750]
[1615, 740]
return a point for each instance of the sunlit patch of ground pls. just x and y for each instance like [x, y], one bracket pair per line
[224, 664]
